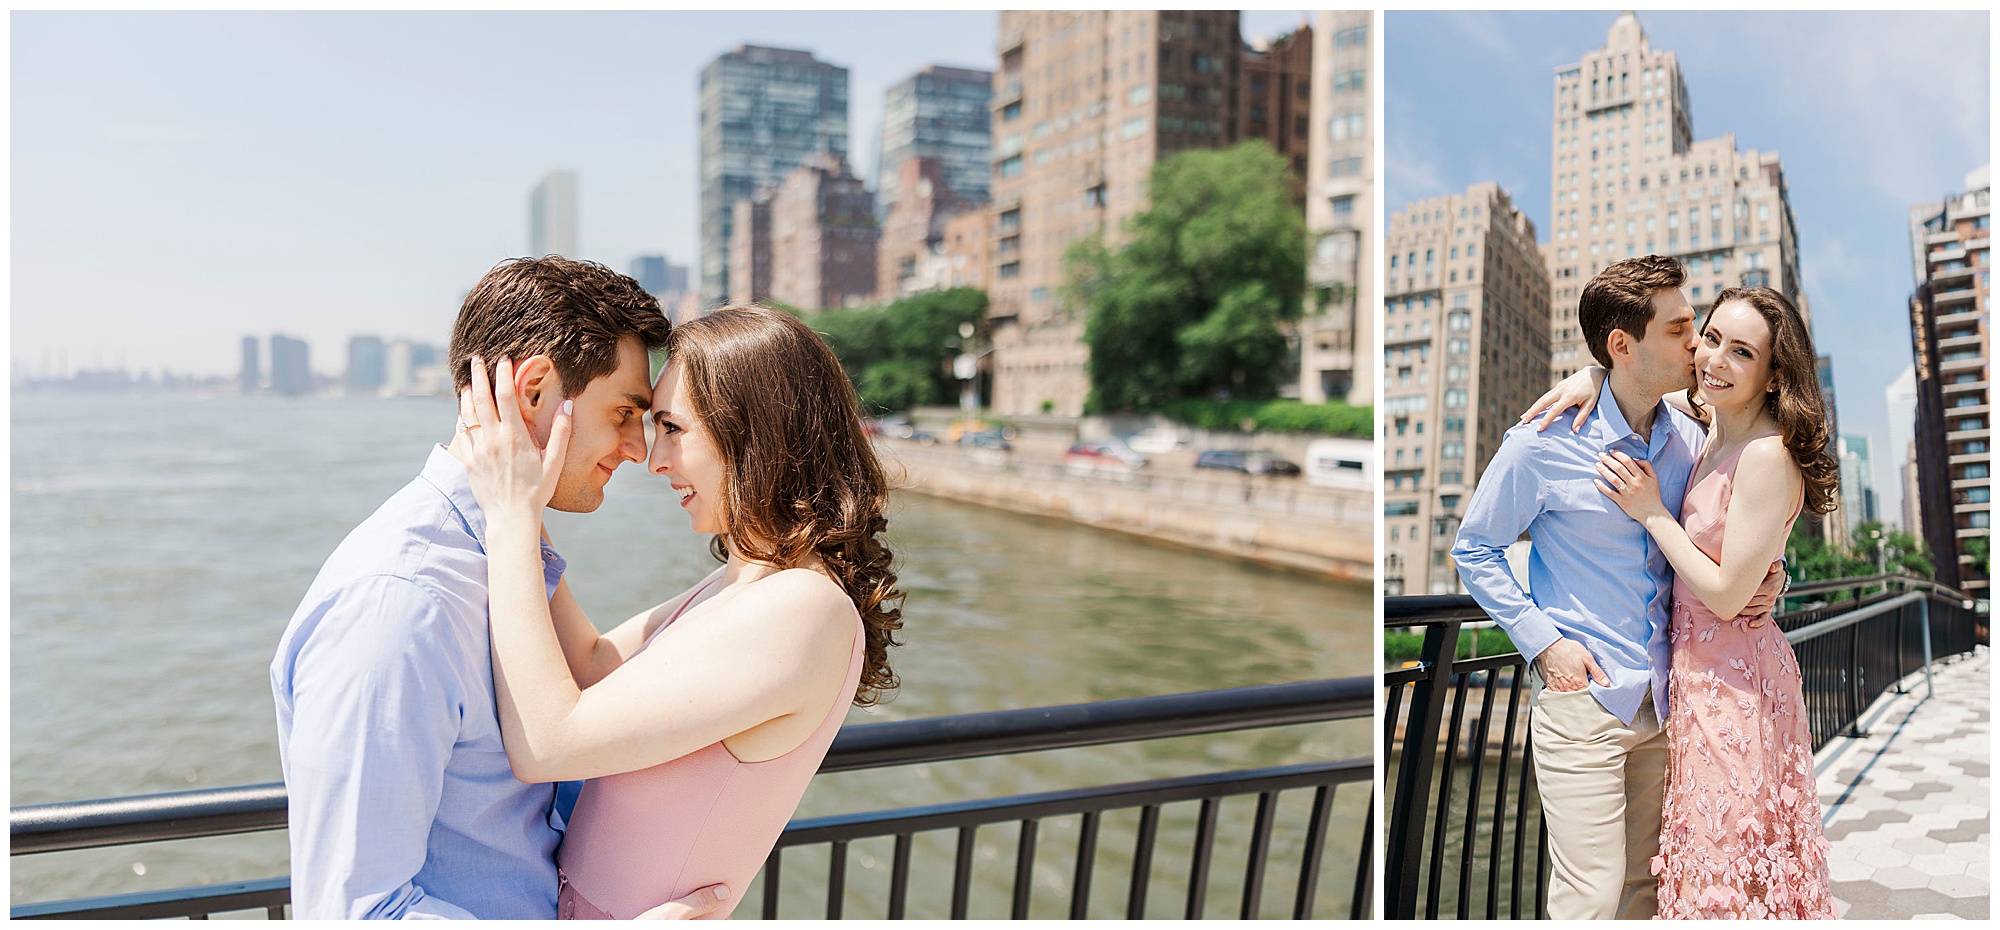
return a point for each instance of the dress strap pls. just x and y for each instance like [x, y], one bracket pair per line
[685, 604]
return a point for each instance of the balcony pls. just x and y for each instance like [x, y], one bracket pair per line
[1952, 365]
[1971, 340]
[1954, 297]
[1961, 276]
[1956, 317]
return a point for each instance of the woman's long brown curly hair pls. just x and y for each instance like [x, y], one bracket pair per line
[1796, 401]
[801, 476]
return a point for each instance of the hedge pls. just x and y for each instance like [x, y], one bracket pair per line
[1274, 416]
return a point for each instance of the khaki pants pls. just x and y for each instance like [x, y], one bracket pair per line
[1602, 784]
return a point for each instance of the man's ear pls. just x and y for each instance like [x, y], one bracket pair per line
[538, 390]
[1618, 345]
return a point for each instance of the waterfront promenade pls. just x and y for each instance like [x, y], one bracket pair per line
[1907, 805]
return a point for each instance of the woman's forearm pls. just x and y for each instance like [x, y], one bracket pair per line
[1723, 593]
[531, 678]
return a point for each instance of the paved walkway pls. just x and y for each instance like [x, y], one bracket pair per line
[1907, 807]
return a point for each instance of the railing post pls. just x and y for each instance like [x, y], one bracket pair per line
[1413, 775]
[1855, 687]
[1924, 617]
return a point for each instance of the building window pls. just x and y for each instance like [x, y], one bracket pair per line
[1344, 207]
[1010, 270]
[1010, 167]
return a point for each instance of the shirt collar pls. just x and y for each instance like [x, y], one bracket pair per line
[446, 473]
[1610, 425]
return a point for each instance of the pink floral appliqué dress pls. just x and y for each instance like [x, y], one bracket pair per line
[1740, 832]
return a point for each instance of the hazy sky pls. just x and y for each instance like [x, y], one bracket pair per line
[1871, 113]
[181, 180]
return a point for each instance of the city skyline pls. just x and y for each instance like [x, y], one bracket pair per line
[1865, 119]
[324, 200]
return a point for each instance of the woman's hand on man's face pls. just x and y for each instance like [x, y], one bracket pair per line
[510, 477]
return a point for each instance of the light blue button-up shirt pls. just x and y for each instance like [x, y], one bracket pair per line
[402, 801]
[1597, 577]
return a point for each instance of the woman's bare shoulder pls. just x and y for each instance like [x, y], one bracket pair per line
[796, 595]
[1768, 463]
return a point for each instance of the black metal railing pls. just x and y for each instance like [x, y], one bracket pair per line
[219, 812]
[1465, 835]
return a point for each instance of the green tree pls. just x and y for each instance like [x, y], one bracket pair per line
[899, 356]
[1193, 305]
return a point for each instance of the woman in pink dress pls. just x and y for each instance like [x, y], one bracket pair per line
[697, 724]
[1740, 833]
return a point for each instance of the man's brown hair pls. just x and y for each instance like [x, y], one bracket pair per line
[1621, 297]
[574, 312]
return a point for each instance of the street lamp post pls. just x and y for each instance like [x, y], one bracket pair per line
[965, 367]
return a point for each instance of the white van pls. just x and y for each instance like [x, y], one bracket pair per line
[1341, 463]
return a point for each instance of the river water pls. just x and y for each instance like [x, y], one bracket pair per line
[161, 542]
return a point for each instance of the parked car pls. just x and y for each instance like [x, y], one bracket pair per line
[920, 437]
[1106, 455]
[1158, 440]
[893, 425]
[1341, 463]
[1251, 462]
[986, 439]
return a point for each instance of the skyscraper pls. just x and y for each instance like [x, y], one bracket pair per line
[1337, 336]
[1901, 398]
[367, 365]
[1085, 102]
[1949, 331]
[651, 273]
[1857, 484]
[250, 377]
[941, 113]
[1464, 351]
[552, 216]
[764, 112]
[1629, 178]
[291, 370]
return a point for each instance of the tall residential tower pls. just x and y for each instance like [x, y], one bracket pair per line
[1464, 351]
[1951, 332]
[1337, 337]
[1084, 103]
[941, 113]
[1629, 178]
[764, 112]
[552, 216]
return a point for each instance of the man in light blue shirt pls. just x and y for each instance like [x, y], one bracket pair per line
[402, 802]
[1595, 625]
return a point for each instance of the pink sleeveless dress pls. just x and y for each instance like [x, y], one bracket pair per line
[641, 839]
[1740, 831]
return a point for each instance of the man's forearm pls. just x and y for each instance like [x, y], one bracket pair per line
[1488, 579]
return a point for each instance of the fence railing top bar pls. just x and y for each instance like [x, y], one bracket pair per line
[1421, 609]
[213, 811]
[1804, 588]
[1074, 801]
[1853, 617]
[200, 802]
[1067, 726]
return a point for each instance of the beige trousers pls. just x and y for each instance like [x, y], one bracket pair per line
[1602, 784]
